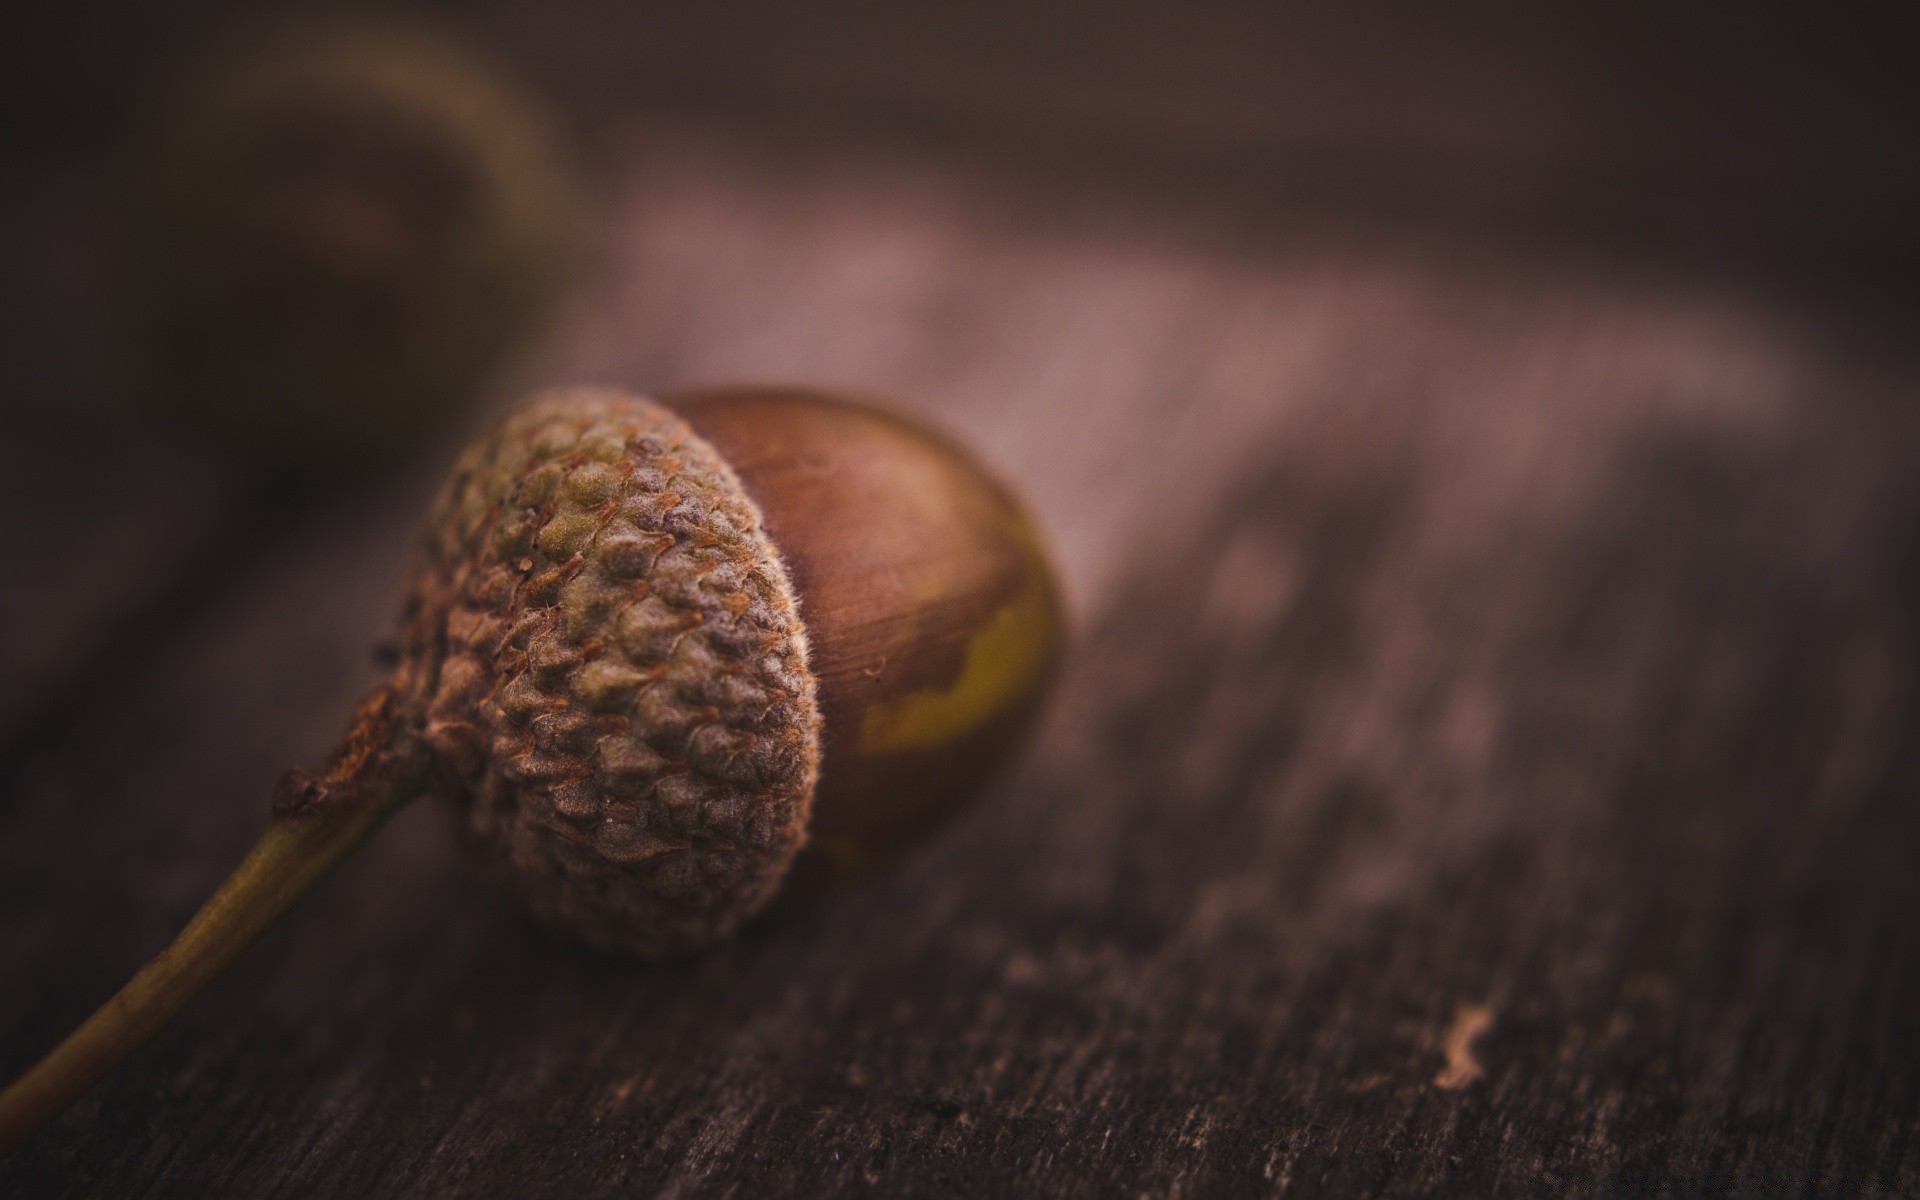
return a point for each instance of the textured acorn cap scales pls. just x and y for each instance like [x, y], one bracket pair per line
[615, 673]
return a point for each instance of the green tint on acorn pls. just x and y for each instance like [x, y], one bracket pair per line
[340, 232]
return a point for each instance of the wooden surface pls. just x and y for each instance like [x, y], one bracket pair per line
[1488, 761]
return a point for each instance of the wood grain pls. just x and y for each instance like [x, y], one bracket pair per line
[1488, 763]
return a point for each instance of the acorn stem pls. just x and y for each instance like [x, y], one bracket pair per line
[300, 845]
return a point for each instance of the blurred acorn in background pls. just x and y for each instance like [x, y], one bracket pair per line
[341, 230]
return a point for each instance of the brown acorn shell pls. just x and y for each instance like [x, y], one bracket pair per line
[611, 671]
[934, 626]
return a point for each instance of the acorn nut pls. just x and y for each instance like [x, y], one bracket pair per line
[662, 662]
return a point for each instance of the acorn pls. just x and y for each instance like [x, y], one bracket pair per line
[661, 662]
[340, 230]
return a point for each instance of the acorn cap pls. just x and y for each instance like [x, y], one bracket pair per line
[613, 672]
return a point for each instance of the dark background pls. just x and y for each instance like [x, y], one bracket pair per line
[1482, 452]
